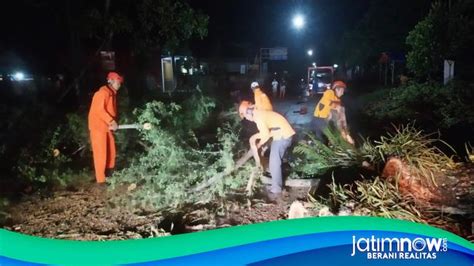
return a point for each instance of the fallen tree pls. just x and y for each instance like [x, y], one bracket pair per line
[407, 158]
[405, 168]
[240, 162]
[177, 168]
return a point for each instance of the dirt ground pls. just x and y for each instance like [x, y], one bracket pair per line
[457, 201]
[85, 213]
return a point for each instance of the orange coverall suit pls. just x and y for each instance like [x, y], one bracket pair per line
[102, 112]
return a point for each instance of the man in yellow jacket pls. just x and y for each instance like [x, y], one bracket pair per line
[329, 105]
[260, 98]
[270, 125]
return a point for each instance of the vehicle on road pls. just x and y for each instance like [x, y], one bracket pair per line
[320, 78]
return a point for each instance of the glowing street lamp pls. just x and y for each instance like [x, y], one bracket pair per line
[310, 52]
[19, 76]
[298, 21]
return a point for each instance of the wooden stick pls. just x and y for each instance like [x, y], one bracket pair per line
[251, 182]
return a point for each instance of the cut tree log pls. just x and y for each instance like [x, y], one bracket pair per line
[396, 170]
[221, 175]
[297, 210]
[310, 182]
[452, 210]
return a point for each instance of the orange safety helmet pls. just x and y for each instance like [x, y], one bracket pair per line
[244, 105]
[339, 84]
[114, 76]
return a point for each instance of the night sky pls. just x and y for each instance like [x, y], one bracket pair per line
[246, 24]
[38, 32]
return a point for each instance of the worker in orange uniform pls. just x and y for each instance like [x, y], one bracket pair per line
[261, 99]
[102, 121]
[328, 106]
[270, 125]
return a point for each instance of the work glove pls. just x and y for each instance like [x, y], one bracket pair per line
[113, 125]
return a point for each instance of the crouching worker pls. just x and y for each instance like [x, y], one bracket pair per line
[102, 121]
[270, 125]
[328, 109]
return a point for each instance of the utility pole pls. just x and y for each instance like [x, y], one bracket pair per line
[392, 67]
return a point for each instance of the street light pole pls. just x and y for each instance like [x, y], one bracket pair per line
[298, 21]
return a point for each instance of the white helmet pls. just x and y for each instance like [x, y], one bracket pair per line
[254, 85]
